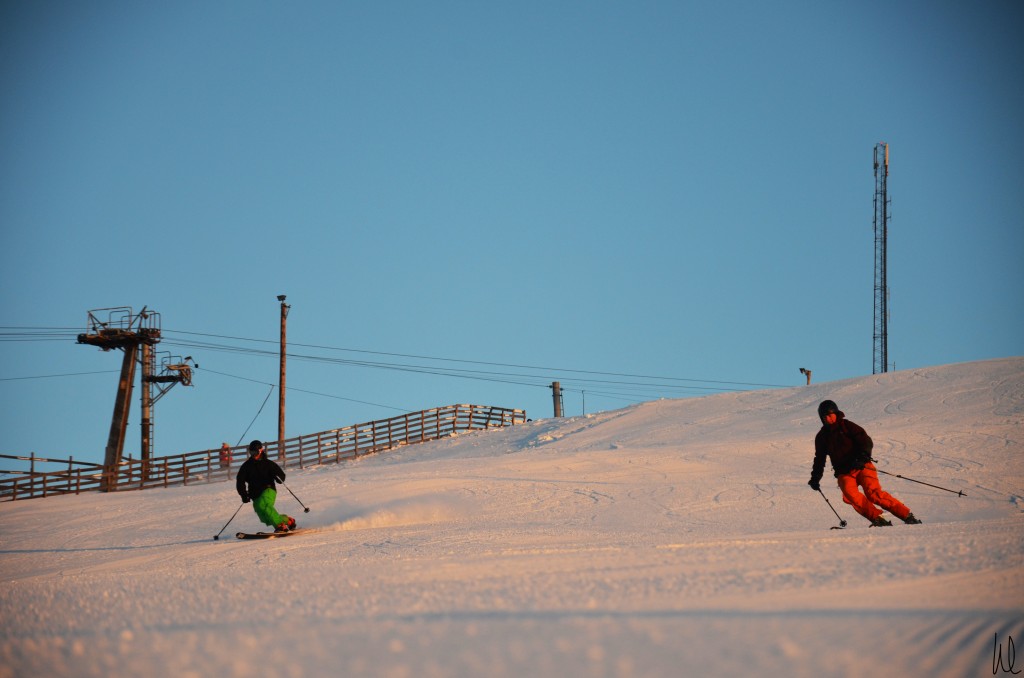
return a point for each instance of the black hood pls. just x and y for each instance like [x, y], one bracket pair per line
[827, 406]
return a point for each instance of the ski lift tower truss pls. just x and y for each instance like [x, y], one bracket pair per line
[135, 334]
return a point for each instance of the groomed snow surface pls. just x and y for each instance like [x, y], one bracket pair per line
[671, 538]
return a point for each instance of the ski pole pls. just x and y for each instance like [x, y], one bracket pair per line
[842, 523]
[959, 493]
[304, 507]
[217, 536]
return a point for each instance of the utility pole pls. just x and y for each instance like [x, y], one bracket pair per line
[556, 394]
[281, 378]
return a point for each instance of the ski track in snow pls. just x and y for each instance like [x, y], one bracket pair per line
[671, 537]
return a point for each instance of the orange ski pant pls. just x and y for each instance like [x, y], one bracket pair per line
[864, 503]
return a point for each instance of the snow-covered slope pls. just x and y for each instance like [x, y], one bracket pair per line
[669, 538]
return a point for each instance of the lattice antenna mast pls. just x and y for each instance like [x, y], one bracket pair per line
[881, 223]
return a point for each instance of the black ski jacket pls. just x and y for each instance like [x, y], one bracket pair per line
[845, 443]
[258, 474]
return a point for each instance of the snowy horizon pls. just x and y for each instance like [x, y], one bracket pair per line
[673, 537]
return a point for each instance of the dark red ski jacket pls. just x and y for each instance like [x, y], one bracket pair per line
[845, 443]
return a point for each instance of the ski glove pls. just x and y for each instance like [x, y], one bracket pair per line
[814, 485]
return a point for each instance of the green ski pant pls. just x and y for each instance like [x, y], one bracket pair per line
[264, 507]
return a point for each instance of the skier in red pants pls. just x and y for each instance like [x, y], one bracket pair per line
[848, 446]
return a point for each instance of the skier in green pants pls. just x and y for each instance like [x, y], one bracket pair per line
[259, 474]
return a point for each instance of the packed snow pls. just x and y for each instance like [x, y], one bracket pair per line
[675, 537]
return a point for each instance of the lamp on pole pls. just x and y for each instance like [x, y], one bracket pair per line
[281, 378]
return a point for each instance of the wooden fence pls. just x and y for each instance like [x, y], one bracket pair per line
[332, 446]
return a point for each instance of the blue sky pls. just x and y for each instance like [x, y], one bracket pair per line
[676, 190]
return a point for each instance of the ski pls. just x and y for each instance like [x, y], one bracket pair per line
[265, 535]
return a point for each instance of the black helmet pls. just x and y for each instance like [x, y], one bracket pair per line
[255, 447]
[827, 407]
